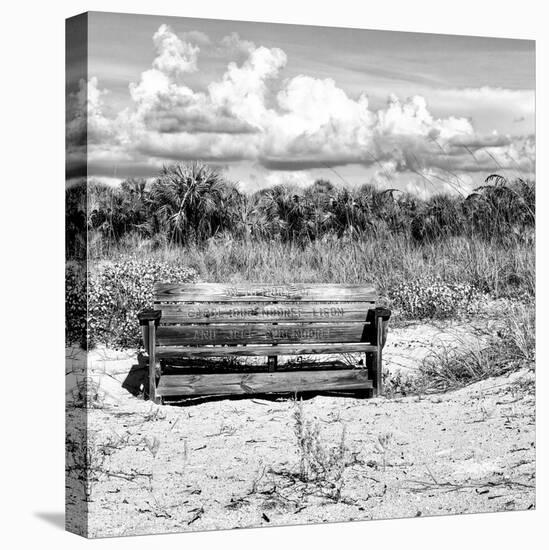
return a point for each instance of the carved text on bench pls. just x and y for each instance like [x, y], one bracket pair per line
[276, 333]
[275, 291]
[276, 311]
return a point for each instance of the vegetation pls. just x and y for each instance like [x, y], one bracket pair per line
[430, 258]
[322, 468]
[103, 307]
[511, 348]
[188, 205]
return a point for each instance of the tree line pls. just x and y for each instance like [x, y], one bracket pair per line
[191, 203]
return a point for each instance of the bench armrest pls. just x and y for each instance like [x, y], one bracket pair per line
[149, 315]
[383, 313]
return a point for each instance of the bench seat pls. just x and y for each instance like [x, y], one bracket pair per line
[262, 382]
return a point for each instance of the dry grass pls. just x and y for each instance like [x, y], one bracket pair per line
[502, 270]
[450, 367]
[321, 467]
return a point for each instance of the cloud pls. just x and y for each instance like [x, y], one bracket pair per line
[196, 37]
[432, 181]
[297, 179]
[85, 126]
[242, 90]
[76, 117]
[412, 118]
[100, 128]
[487, 107]
[233, 46]
[289, 125]
[175, 57]
[172, 117]
[486, 98]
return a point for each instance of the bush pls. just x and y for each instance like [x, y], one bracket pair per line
[116, 292]
[75, 304]
[320, 466]
[400, 383]
[510, 349]
[434, 298]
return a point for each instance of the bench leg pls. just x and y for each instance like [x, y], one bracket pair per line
[374, 360]
[272, 362]
[152, 362]
[379, 369]
[371, 366]
[379, 353]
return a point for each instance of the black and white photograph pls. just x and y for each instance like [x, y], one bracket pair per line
[300, 278]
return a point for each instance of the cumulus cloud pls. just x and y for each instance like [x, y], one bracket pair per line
[288, 125]
[242, 90]
[196, 37]
[86, 126]
[233, 46]
[171, 115]
[86, 122]
[175, 57]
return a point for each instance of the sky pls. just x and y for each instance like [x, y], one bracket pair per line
[270, 103]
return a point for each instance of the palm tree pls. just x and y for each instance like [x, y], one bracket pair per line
[185, 198]
[287, 212]
[501, 208]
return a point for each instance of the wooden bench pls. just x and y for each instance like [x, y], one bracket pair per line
[197, 321]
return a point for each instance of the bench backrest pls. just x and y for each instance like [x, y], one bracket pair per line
[205, 314]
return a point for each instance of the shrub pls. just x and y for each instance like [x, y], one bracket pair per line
[116, 292]
[320, 466]
[510, 349]
[75, 304]
[519, 334]
[400, 383]
[450, 368]
[434, 298]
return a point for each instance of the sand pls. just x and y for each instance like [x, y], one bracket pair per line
[232, 463]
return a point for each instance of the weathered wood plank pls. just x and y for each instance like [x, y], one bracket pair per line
[248, 312]
[262, 382]
[175, 352]
[212, 292]
[152, 361]
[262, 334]
[378, 383]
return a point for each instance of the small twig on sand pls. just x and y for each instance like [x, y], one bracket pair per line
[173, 425]
[198, 515]
[449, 486]
[431, 474]
[256, 482]
[260, 402]
[132, 476]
